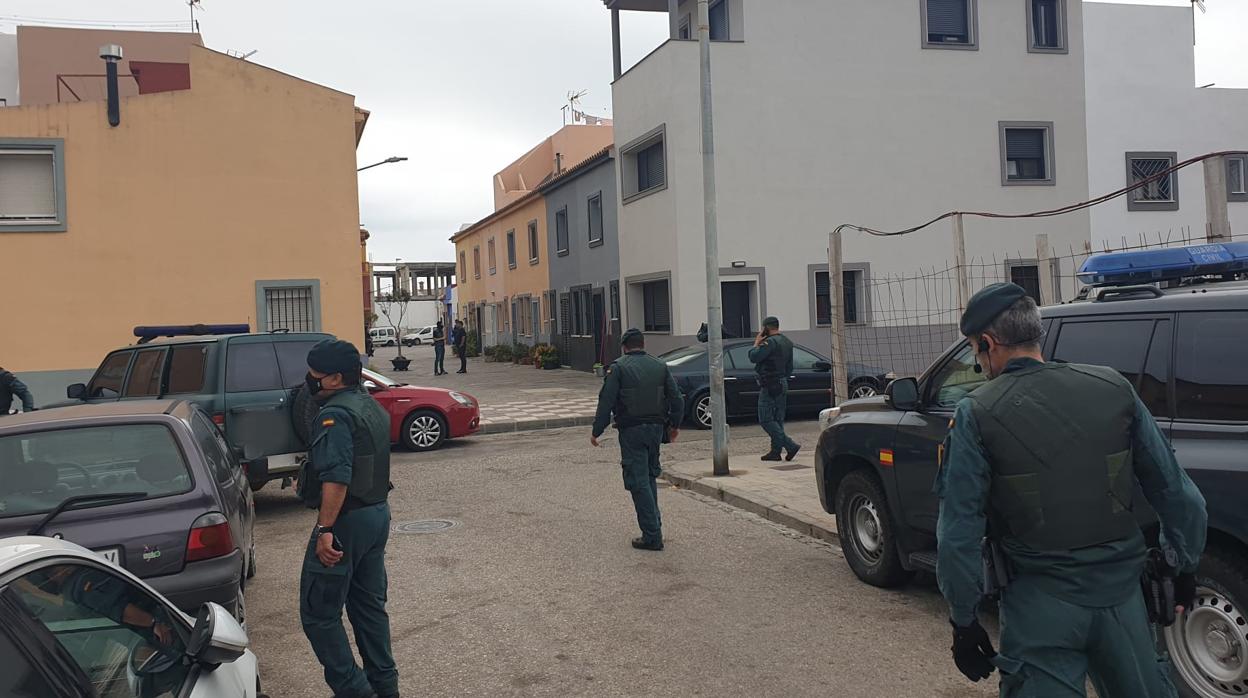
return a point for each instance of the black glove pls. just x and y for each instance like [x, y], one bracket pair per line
[971, 651]
[1185, 590]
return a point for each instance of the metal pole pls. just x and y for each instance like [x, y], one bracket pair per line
[959, 251]
[836, 290]
[616, 64]
[714, 310]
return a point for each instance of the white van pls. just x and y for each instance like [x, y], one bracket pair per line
[383, 336]
[424, 334]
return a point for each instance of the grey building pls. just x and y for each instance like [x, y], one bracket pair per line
[584, 254]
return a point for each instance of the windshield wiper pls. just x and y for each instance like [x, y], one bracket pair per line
[97, 499]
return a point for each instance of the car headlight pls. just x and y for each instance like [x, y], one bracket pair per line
[462, 399]
[827, 416]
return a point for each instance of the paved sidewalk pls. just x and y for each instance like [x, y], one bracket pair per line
[782, 492]
[512, 397]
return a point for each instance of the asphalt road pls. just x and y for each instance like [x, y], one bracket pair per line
[536, 591]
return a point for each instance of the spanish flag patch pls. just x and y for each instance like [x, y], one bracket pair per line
[327, 422]
[886, 456]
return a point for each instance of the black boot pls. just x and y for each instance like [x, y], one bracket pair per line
[791, 453]
[771, 455]
[641, 544]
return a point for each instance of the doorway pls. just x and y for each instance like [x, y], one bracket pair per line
[600, 327]
[738, 308]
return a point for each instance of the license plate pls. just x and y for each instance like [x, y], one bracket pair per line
[113, 555]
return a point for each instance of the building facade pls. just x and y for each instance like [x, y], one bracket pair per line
[583, 248]
[231, 201]
[880, 114]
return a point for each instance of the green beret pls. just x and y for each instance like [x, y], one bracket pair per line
[630, 334]
[987, 304]
[334, 356]
[771, 321]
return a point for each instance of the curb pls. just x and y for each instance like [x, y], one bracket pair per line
[755, 504]
[536, 424]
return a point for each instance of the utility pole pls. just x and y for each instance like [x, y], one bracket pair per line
[714, 310]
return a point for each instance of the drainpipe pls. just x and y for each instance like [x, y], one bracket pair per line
[111, 53]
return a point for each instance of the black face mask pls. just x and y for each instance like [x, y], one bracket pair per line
[314, 384]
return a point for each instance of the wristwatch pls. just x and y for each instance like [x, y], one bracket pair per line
[319, 529]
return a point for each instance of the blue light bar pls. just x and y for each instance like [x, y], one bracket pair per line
[1147, 266]
[148, 333]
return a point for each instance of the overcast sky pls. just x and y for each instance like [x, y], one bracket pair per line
[463, 88]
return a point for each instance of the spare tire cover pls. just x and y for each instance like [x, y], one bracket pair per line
[303, 411]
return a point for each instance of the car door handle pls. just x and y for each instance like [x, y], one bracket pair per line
[728, 378]
[256, 408]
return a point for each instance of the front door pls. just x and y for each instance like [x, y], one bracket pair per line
[738, 316]
[740, 380]
[600, 328]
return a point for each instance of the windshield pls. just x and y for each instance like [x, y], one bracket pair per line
[40, 470]
[686, 355]
[379, 379]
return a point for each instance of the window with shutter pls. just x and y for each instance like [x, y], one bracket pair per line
[595, 218]
[656, 306]
[650, 167]
[533, 242]
[31, 188]
[476, 262]
[1237, 178]
[561, 230]
[1046, 20]
[1026, 152]
[949, 21]
[852, 281]
[719, 20]
[511, 249]
[493, 257]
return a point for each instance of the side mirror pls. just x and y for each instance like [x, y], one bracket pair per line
[77, 391]
[217, 638]
[822, 366]
[371, 386]
[903, 394]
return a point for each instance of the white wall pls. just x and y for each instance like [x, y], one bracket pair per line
[831, 113]
[418, 314]
[1146, 100]
[8, 68]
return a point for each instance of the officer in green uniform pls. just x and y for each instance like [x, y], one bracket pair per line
[773, 362]
[641, 393]
[1042, 460]
[347, 478]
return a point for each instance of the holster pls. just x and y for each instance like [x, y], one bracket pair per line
[1157, 583]
[996, 570]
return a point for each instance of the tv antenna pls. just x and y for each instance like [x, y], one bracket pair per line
[195, 5]
[1197, 4]
[573, 106]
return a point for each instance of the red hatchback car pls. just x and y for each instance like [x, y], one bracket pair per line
[422, 419]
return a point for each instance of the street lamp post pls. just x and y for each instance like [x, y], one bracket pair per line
[387, 161]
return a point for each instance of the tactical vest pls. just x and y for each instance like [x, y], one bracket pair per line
[1059, 443]
[643, 394]
[370, 446]
[778, 363]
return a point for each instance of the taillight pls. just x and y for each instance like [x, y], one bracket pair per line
[219, 419]
[210, 537]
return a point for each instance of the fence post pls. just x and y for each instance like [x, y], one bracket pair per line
[836, 296]
[1044, 269]
[959, 252]
[1219, 222]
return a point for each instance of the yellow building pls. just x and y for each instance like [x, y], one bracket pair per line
[503, 287]
[232, 201]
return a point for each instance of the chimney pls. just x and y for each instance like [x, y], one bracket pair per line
[111, 53]
[558, 163]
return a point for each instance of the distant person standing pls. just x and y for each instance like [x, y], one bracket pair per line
[459, 340]
[773, 361]
[439, 350]
[11, 387]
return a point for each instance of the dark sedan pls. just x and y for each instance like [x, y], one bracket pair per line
[150, 485]
[809, 386]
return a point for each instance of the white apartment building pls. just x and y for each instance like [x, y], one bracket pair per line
[883, 114]
[1144, 111]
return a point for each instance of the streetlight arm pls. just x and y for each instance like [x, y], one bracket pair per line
[387, 161]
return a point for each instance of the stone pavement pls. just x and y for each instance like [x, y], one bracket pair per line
[781, 492]
[512, 397]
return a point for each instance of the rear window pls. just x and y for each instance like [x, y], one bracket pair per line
[145, 375]
[1211, 375]
[40, 470]
[186, 369]
[292, 361]
[1119, 344]
[107, 381]
[251, 366]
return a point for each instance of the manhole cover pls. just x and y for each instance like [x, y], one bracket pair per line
[793, 466]
[430, 526]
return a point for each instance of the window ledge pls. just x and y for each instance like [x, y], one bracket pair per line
[1029, 182]
[1232, 197]
[26, 227]
[563, 253]
[596, 243]
[1048, 49]
[511, 266]
[1152, 205]
[950, 46]
[643, 194]
[534, 262]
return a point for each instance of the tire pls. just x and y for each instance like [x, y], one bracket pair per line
[863, 387]
[417, 342]
[1207, 645]
[423, 430]
[303, 411]
[700, 411]
[868, 538]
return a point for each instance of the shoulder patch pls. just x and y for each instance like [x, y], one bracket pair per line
[328, 422]
[951, 423]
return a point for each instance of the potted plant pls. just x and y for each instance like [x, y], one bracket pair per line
[550, 359]
[521, 354]
[394, 307]
[599, 370]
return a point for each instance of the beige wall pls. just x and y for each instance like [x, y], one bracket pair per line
[176, 213]
[45, 52]
[506, 283]
[574, 143]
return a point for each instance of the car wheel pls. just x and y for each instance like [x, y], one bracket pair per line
[1207, 645]
[423, 430]
[303, 411]
[251, 562]
[863, 387]
[866, 529]
[418, 342]
[700, 411]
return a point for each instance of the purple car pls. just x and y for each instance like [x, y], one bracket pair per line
[149, 485]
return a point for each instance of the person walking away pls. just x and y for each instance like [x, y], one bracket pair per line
[459, 339]
[641, 394]
[11, 387]
[347, 479]
[1042, 460]
[773, 362]
[439, 350]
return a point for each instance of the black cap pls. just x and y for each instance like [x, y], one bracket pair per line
[987, 304]
[334, 356]
[771, 321]
[630, 334]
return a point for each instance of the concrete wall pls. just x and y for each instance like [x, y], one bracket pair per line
[45, 52]
[830, 113]
[1146, 100]
[583, 264]
[8, 69]
[174, 215]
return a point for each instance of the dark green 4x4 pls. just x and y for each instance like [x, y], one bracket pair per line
[1186, 351]
[245, 382]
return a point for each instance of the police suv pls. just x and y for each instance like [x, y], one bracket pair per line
[1175, 323]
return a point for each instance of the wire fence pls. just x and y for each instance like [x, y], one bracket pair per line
[901, 322]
